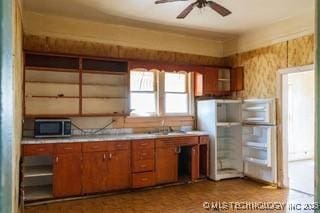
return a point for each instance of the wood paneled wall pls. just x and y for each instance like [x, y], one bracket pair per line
[261, 65]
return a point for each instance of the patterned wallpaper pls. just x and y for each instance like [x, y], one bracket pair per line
[59, 45]
[261, 65]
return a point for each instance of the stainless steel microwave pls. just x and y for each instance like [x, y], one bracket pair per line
[52, 128]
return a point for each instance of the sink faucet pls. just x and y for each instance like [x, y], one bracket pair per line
[163, 128]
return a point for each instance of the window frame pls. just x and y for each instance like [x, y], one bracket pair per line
[159, 90]
[187, 92]
[155, 92]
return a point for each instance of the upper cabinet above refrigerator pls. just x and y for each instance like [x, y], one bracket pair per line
[213, 81]
[259, 111]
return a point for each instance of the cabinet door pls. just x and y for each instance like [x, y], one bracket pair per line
[118, 176]
[210, 80]
[94, 172]
[237, 79]
[198, 84]
[67, 175]
[166, 165]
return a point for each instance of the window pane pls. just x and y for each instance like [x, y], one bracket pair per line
[141, 81]
[143, 103]
[176, 103]
[175, 82]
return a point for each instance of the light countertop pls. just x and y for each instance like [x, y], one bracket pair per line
[119, 137]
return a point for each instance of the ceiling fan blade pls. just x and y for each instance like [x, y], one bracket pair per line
[219, 9]
[186, 11]
[166, 1]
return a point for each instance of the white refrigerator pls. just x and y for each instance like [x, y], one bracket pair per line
[242, 137]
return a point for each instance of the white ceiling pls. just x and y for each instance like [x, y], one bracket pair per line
[246, 14]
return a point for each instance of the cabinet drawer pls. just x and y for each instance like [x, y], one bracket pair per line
[64, 148]
[119, 145]
[94, 147]
[37, 149]
[204, 140]
[143, 180]
[143, 166]
[145, 154]
[165, 142]
[142, 144]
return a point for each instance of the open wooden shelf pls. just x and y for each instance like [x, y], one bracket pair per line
[37, 192]
[84, 92]
[40, 96]
[104, 72]
[44, 69]
[43, 82]
[37, 171]
[98, 97]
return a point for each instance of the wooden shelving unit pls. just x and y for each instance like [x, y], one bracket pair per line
[37, 173]
[58, 86]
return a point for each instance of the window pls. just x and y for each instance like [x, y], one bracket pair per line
[155, 93]
[176, 95]
[142, 93]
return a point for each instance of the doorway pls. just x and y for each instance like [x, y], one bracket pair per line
[298, 130]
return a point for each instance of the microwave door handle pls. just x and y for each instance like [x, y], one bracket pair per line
[62, 130]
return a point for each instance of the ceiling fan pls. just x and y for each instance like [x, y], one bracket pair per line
[200, 4]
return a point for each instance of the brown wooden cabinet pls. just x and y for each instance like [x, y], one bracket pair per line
[166, 164]
[211, 81]
[67, 175]
[206, 81]
[237, 79]
[94, 172]
[118, 176]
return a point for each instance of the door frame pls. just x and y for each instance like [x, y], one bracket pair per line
[282, 146]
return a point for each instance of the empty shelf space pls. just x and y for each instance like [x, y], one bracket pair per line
[43, 96]
[228, 173]
[257, 161]
[98, 97]
[227, 124]
[50, 83]
[104, 85]
[256, 109]
[256, 145]
[254, 119]
[37, 192]
[37, 171]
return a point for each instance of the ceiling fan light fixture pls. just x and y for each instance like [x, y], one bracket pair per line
[200, 4]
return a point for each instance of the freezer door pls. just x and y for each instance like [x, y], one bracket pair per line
[259, 152]
[259, 111]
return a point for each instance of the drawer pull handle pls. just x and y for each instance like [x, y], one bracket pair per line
[143, 154]
[143, 166]
[104, 156]
[110, 156]
[144, 179]
[57, 159]
[143, 144]
[41, 149]
[95, 147]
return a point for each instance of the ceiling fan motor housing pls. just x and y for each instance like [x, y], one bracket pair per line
[202, 3]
